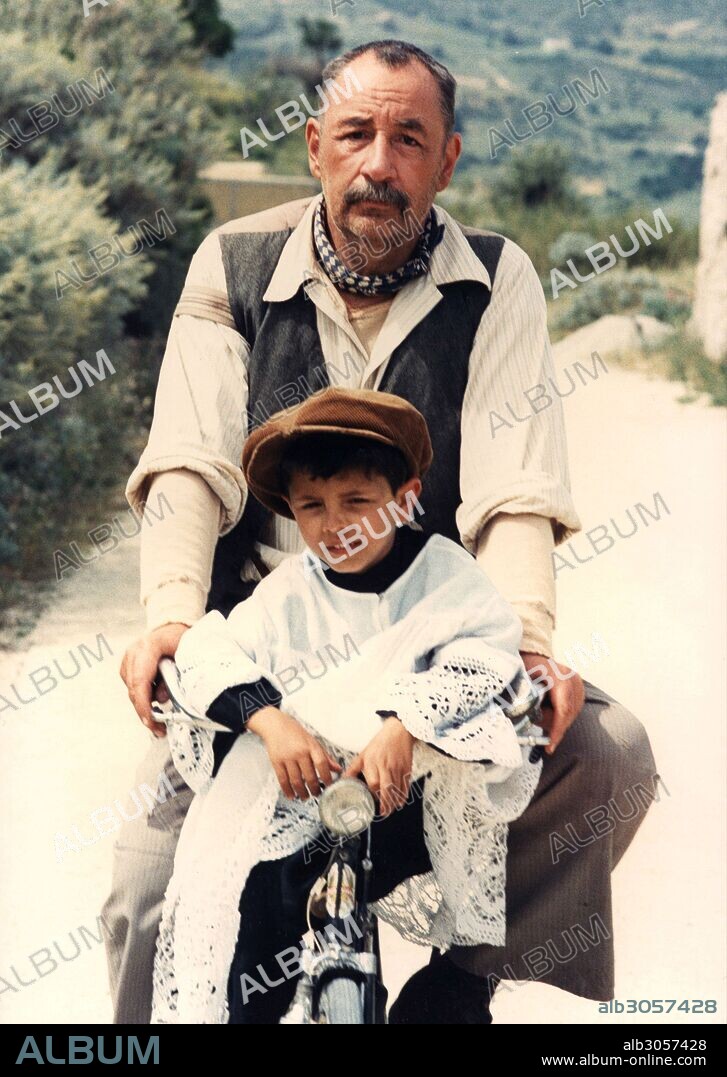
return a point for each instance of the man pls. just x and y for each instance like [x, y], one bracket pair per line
[370, 286]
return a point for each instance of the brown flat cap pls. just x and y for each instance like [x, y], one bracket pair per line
[362, 412]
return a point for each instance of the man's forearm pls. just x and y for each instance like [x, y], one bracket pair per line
[177, 551]
[515, 552]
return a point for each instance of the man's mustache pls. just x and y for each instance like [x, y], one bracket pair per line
[377, 192]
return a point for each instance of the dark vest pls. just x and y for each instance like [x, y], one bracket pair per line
[429, 369]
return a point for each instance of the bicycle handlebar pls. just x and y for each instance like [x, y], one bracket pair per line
[180, 711]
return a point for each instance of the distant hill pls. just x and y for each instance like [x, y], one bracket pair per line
[663, 62]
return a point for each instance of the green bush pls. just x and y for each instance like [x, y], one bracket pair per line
[571, 245]
[675, 247]
[666, 305]
[536, 230]
[129, 154]
[687, 362]
[52, 464]
[47, 217]
[620, 290]
[145, 139]
[536, 176]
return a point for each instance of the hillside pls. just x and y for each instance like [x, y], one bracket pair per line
[662, 61]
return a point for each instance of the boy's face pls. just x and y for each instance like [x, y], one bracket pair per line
[355, 504]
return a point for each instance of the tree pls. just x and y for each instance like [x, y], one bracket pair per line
[536, 176]
[320, 37]
[211, 31]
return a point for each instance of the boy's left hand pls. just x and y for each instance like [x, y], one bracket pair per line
[386, 765]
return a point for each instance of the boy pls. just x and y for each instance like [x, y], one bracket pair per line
[434, 646]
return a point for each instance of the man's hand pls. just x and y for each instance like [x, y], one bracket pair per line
[563, 702]
[139, 669]
[386, 764]
[297, 758]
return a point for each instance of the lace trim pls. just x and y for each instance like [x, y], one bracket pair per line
[241, 818]
[192, 754]
[453, 708]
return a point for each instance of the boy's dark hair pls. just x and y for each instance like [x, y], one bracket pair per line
[323, 455]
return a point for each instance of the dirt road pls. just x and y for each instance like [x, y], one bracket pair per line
[655, 600]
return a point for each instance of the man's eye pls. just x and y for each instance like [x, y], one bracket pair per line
[411, 141]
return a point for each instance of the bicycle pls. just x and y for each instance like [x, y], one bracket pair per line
[339, 983]
[340, 979]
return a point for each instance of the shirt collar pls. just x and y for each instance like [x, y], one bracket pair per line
[452, 260]
[406, 547]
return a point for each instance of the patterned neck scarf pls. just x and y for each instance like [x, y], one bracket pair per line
[375, 283]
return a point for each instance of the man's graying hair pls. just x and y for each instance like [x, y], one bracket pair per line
[398, 54]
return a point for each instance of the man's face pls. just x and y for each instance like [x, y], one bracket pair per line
[325, 507]
[381, 154]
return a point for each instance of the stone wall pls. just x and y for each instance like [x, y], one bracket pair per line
[236, 188]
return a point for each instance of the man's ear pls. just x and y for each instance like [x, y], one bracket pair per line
[452, 151]
[313, 139]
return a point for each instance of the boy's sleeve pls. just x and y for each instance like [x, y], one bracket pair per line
[222, 664]
[198, 753]
[235, 706]
[218, 654]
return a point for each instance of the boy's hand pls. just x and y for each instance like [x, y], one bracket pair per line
[297, 757]
[386, 764]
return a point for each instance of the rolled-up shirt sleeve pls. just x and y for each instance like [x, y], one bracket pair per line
[514, 452]
[200, 407]
[177, 548]
[516, 552]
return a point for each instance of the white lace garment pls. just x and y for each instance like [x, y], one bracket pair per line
[436, 647]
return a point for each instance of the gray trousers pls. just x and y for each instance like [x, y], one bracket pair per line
[591, 799]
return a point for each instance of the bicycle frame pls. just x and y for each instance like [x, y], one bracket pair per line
[336, 954]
